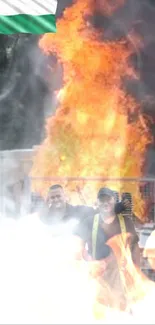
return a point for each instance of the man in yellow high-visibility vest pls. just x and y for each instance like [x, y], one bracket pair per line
[96, 231]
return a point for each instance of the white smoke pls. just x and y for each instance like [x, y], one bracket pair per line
[39, 281]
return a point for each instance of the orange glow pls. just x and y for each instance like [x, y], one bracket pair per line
[138, 290]
[90, 135]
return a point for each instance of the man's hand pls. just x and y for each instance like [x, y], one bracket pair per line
[126, 203]
[97, 268]
[136, 255]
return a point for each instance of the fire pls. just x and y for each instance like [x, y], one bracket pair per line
[138, 291]
[90, 134]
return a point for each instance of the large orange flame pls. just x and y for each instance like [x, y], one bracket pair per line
[90, 134]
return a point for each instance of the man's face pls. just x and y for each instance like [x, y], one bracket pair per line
[56, 199]
[106, 205]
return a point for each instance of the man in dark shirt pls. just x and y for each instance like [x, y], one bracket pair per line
[56, 209]
[108, 227]
[98, 231]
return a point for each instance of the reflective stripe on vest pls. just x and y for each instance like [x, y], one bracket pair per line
[94, 234]
[122, 223]
[95, 231]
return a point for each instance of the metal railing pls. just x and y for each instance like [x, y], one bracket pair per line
[142, 190]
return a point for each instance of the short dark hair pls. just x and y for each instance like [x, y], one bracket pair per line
[55, 186]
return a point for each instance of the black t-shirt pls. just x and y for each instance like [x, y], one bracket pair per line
[105, 232]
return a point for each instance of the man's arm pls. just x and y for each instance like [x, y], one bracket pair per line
[80, 248]
[135, 250]
[121, 207]
[81, 235]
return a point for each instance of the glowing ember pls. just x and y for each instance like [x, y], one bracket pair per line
[90, 134]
